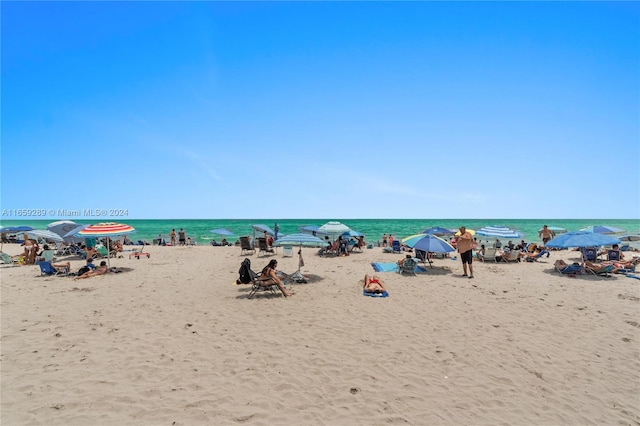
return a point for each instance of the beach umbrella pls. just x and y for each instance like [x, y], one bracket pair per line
[582, 239]
[311, 229]
[66, 229]
[630, 237]
[106, 229]
[300, 240]
[71, 235]
[12, 229]
[438, 231]
[43, 233]
[223, 232]
[334, 229]
[262, 228]
[498, 232]
[602, 229]
[352, 233]
[429, 243]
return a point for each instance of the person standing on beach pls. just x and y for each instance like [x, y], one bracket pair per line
[172, 235]
[546, 234]
[182, 238]
[464, 246]
[384, 240]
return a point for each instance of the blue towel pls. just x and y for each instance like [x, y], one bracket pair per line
[391, 267]
[637, 277]
[383, 294]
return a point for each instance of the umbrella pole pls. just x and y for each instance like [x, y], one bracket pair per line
[108, 255]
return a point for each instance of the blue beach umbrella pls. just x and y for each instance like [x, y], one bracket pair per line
[221, 231]
[352, 233]
[429, 243]
[498, 232]
[602, 229]
[438, 231]
[12, 229]
[262, 228]
[582, 239]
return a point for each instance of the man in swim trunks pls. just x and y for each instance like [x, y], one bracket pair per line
[464, 244]
[546, 234]
[373, 284]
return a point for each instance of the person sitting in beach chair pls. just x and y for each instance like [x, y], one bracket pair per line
[599, 268]
[615, 254]
[373, 284]
[566, 269]
[268, 277]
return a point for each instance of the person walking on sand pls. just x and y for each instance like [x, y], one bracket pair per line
[464, 246]
[546, 234]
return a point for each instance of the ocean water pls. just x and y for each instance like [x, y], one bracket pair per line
[198, 229]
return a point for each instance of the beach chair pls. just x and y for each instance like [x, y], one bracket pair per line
[605, 271]
[396, 247]
[613, 255]
[139, 253]
[258, 286]
[10, 260]
[423, 256]
[590, 254]
[514, 256]
[245, 246]
[263, 247]
[46, 268]
[573, 269]
[408, 267]
[489, 255]
[47, 256]
[287, 251]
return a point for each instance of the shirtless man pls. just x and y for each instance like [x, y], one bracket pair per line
[373, 284]
[546, 234]
[100, 270]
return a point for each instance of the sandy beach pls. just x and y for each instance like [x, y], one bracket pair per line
[171, 340]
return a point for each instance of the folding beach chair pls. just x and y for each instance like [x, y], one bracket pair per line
[246, 246]
[47, 269]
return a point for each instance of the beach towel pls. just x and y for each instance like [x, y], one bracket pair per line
[637, 277]
[392, 267]
[383, 294]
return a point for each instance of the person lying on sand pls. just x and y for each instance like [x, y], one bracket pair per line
[373, 284]
[100, 270]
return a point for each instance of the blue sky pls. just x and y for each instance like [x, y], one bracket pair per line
[322, 110]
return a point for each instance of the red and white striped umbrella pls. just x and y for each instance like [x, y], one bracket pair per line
[108, 229]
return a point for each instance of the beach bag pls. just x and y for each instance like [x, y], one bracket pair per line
[246, 274]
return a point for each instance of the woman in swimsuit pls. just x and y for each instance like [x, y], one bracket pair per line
[268, 276]
[373, 284]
